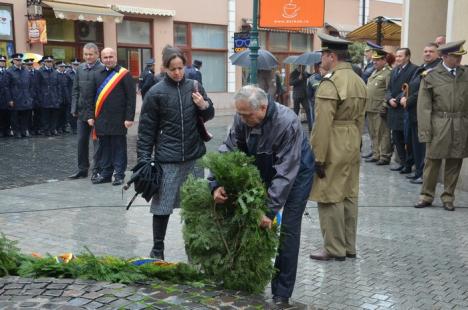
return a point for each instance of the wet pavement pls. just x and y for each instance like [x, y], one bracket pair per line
[407, 258]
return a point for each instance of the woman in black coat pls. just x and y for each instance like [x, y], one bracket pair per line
[168, 125]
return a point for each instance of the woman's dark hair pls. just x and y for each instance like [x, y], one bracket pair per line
[170, 53]
[390, 59]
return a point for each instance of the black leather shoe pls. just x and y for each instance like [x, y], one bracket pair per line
[79, 175]
[26, 134]
[100, 180]
[399, 168]
[405, 170]
[412, 177]
[118, 182]
[422, 204]
[323, 255]
[17, 135]
[449, 206]
[280, 301]
[94, 176]
[348, 255]
[367, 155]
[371, 160]
[416, 181]
[382, 162]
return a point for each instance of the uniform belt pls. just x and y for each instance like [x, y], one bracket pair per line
[450, 114]
[338, 122]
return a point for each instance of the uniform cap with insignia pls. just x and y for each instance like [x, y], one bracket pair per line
[331, 43]
[378, 54]
[150, 61]
[28, 61]
[2, 58]
[372, 46]
[453, 48]
[17, 56]
[75, 61]
[60, 64]
[48, 58]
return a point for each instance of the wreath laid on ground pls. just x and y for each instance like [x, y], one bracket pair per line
[226, 240]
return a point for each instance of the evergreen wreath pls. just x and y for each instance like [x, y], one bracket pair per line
[226, 240]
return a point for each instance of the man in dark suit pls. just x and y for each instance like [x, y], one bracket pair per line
[402, 74]
[113, 117]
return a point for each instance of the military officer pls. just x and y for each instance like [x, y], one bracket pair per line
[64, 83]
[71, 73]
[368, 53]
[442, 123]
[376, 110]
[147, 78]
[340, 105]
[18, 96]
[35, 119]
[50, 96]
[4, 107]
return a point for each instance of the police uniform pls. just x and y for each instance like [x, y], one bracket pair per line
[146, 80]
[19, 97]
[34, 118]
[49, 97]
[340, 105]
[71, 73]
[65, 97]
[442, 124]
[4, 107]
[378, 129]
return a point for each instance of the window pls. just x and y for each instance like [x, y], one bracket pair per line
[300, 42]
[208, 44]
[279, 41]
[6, 30]
[134, 32]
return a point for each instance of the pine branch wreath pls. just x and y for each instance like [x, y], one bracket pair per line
[226, 240]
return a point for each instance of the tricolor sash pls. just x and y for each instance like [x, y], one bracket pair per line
[104, 90]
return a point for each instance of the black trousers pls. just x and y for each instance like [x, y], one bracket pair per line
[5, 121]
[36, 123]
[405, 154]
[49, 119]
[113, 155]
[304, 102]
[419, 150]
[62, 118]
[20, 120]
[84, 134]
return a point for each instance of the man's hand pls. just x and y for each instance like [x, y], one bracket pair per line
[91, 122]
[403, 102]
[219, 195]
[393, 103]
[265, 222]
[128, 124]
[320, 170]
[11, 104]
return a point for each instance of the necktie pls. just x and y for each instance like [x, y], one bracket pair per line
[453, 72]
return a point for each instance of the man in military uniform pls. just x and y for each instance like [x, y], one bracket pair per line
[65, 104]
[443, 122]
[368, 53]
[4, 107]
[340, 105]
[147, 78]
[50, 96]
[75, 63]
[298, 80]
[431, 60]
[376, 110]
[34, 118]
[18, 96]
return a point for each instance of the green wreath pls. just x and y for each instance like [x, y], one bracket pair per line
[226, 240]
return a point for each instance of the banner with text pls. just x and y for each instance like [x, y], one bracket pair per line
[291, 13]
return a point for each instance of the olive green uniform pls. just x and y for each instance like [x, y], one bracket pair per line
[378, 129]
[340, 105]
[443, 126]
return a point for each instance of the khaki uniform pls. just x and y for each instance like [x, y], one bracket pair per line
[378, 129]
[442, 124]
[340, 105]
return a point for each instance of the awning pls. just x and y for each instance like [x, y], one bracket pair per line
[75, 11]
[142, 11]
[391, 32]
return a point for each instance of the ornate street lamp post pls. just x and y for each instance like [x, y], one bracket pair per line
[34, 9]
[254, 44]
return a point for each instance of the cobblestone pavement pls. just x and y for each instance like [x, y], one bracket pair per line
[407, 258]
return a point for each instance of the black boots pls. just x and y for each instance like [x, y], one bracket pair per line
[159, 232]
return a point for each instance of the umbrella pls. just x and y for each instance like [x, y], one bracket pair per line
[34, 56]
[146, 179]
[308, 58]
[290, 59]
[265, 60]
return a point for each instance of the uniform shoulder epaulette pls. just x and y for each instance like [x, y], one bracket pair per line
[328, 76]
[426, 72]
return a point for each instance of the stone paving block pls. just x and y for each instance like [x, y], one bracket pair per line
[119, 303]
[11, 292]
[77, 287]
[54, 293]
[139, 306]
[78, 302]
[93, 305]
[56, 286]
[92, 295]
[33, 292]
[106, 299]
[72, 293]
[13, 286]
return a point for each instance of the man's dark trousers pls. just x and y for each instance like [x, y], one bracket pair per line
[290, 239]
[304, 102]
[84, 132]
[419, 150]
[113, 155]
[398, 139]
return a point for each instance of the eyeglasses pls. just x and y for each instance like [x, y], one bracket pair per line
[245, 42]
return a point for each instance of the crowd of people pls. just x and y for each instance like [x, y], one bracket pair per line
[36, 101]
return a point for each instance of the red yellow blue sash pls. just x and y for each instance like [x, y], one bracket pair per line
[104, 90]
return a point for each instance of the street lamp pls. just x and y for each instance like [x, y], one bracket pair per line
[254, 44]
[34, 9]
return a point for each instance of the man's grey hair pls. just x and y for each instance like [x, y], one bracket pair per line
[252, 94]
[91, 46]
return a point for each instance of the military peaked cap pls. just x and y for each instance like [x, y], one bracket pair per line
[17, 56]
[331, 43]
[372, 46]
[75, 61]
[2, 58]
[453, 48]
[28, 61]
[197, 63]
[150, 61]
[48, 58]
[60, 64]
[378, 54]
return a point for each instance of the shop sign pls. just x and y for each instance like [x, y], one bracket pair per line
[241, 41]
[292, 13]
[37, 31]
